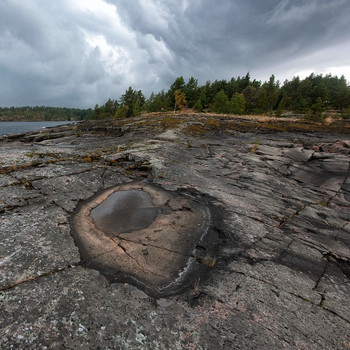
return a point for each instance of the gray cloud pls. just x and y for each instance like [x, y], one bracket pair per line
[82, 52]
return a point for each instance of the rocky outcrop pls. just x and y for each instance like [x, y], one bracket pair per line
[279, 276]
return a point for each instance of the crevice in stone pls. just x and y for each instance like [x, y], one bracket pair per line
[285, 220]
[40, 178]
[200, 259]
[345, 224]
[10, 207]
[334, 313]
[291, 293]
[34, 278]
[216, 298]
[267, 236]
[303, 207]
[321, 248]
[133, 259]
[341, 187]
[59, 206]
[103, 177]
[211, 295]
[320, 278]
[251, 260]
[155, 246]
[341, 262]
[272, 285]
[323, 298]
[316, 190]
[282, 338]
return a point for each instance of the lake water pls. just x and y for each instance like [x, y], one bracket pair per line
[10, 128]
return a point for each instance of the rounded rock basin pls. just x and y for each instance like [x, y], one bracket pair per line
[158, 240]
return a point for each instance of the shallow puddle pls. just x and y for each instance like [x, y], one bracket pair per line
[124, 211]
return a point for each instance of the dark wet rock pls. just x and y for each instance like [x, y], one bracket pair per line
[298, 154]
[281, 277]
[326, 174]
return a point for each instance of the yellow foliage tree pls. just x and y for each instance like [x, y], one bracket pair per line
[180, 99]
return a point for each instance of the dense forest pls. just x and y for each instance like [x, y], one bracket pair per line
[44, 113]
[313, 98]
[309, 97]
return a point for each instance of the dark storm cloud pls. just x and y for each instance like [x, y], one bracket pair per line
[44, 57]
[231, 37]
[81, 52]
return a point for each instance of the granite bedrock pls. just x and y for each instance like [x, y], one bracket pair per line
[281, 278]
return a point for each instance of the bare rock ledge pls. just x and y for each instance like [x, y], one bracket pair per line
[98, 219]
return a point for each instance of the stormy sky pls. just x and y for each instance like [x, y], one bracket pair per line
[78, 53]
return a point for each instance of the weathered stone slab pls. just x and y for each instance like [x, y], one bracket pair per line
[34, 240]
[290, 321]
[281, 277]
[327, 174]
[335, 289]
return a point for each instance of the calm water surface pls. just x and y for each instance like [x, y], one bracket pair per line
[10, 128]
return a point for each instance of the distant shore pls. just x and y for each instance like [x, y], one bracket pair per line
[23, 126]
[12, 119]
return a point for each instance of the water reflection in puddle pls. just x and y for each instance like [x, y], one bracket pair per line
[124, 211]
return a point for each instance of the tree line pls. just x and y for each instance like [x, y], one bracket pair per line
[310, 97]
[45, 113]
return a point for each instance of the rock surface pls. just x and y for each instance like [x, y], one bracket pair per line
[282, 274]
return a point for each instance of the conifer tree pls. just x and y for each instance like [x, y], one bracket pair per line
[221, 103]
[237, 103]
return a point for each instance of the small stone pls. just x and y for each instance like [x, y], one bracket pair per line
[164, 302]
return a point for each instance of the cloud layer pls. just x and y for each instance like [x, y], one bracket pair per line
[78, 53]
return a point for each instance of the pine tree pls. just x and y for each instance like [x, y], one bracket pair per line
[198, 106]
[192, 92]
[221, 103]
[237, 103]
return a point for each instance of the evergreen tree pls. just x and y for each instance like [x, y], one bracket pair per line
[232, 87]
[261, 101]
[272, 92]
[251, 96]
[198, 106]
[205, 102]
[221, 103]
[340, 93]
[157, 103]
[132, 101]
[178, 84]
[280, 106]
[315, 112]
[191, 91]
[243, 82]
[237, 103]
